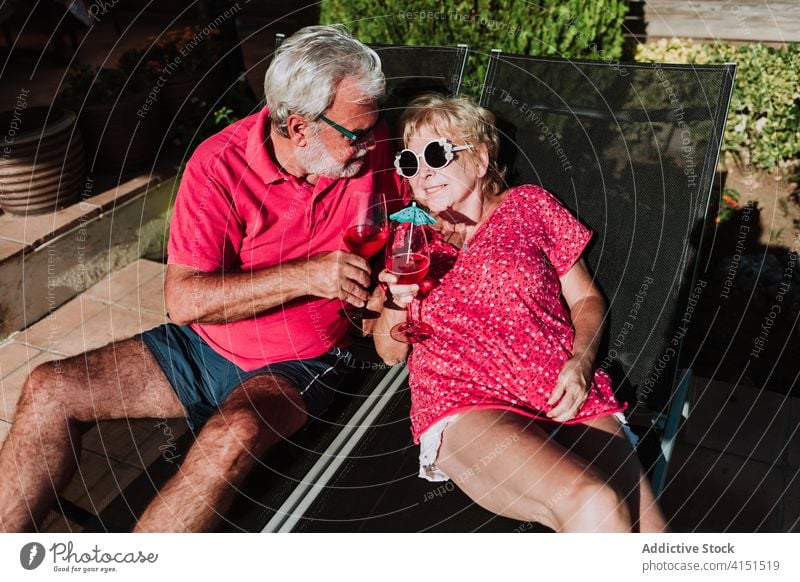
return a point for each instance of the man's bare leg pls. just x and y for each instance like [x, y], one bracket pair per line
[261, 412]
[39, 456]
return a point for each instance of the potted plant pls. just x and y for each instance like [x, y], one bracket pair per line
[120, 122]
[42, 166]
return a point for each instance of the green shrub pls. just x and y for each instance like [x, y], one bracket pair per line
[566, 28]
[764, 118]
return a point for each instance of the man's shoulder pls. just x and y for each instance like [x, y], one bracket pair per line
[226, 143]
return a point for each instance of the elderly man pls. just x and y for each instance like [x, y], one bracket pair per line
[255, 285]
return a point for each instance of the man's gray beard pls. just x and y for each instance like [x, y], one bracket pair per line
[316, 159]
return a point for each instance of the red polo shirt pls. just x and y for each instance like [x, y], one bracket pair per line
[237, 210]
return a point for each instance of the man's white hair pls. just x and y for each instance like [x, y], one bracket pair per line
[308, 67]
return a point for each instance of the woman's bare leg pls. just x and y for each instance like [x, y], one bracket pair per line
[510, 466]
[603, 443]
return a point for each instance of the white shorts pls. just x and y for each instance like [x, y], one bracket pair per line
[431, 441]
[429, 444]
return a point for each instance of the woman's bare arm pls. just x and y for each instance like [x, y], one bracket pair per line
[587, 310]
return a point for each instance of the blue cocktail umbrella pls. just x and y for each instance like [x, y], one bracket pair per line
[413, 214]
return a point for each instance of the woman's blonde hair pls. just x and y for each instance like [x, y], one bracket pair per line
[463, 121]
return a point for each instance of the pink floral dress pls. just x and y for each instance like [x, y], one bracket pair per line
[502, 331]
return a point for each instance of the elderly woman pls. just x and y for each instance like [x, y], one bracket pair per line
[506, 400]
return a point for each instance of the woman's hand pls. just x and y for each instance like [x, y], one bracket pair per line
[401, 295]
[586, 308]
[394, 312]
[572, 389]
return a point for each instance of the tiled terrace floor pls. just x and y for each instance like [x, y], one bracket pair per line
[735, 468]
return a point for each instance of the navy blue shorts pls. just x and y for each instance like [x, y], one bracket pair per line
[203, 379]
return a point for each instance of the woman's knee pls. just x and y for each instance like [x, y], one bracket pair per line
[593, 504]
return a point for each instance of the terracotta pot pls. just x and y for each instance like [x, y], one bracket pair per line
[42, 164]
[181, 88]
[116, 137]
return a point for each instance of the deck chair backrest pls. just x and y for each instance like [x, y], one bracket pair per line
[413, 70]
[632, 150]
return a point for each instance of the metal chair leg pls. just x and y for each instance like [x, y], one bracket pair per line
[678, 408]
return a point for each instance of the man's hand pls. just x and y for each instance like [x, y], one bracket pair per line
[339, 275]
[572, 389]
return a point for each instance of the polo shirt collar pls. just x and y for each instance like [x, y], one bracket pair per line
[259, 160]
[258, 157]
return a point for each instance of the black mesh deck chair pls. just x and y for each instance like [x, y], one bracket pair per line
[632, 150]
[412, 70]
[278, 494]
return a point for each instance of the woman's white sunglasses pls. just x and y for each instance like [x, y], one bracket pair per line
[436, 154]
